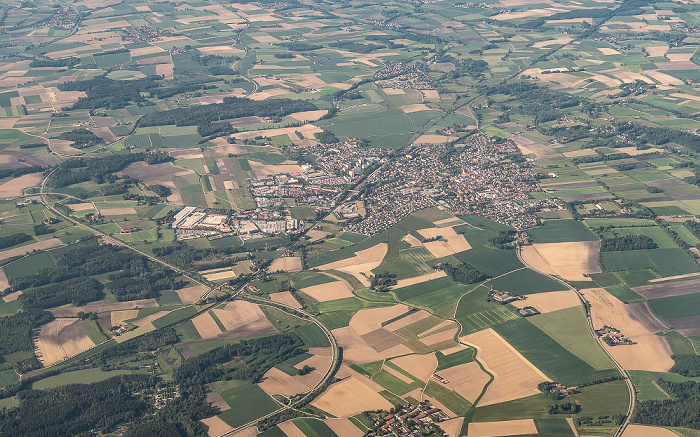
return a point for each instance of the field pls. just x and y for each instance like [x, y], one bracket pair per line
[651, 352]
[350, 397]
[549, 356]
[514, 376]
[251, 402]
[61, 339]
[560, 231]
[665, 262]
[571, 261]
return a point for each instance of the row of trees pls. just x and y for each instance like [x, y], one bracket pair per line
[626, 242]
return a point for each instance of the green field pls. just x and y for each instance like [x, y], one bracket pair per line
[569, 328]
[250, 401]
[86, 376]
[559, 231]
[665, 262]
[624, 294]
[677, 306]
[455, 358]
[648, 389]
[548, 355]
[526, 281]
[313, 428]
[448, 398]
[312, 336]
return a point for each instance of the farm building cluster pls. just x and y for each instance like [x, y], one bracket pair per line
[408, 420]
[193, 222]
[613, 336]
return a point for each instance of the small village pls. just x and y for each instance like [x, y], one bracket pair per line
[407, 420]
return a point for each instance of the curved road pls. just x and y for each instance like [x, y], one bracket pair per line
[623, 372]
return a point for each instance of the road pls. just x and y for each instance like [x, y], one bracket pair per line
[329, 373]
[623, 372]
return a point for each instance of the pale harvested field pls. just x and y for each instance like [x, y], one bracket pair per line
[216, 426]
[419, 279]
[315, 235]
[61, 338]
[262, 170]
[608, 51]
[328, 291]
[344, 427]
[206, 326]
[350, 397]
[431, 95]
[504, 428]
[80, 206]
[16, 186]
[356, 350]
[452, 427]
[191, 295]
[647, 431]
[412, 240]
[148, 319]
[514, 376]
[368, 320]
[11, 297]
[663, 78]
[466, 379]
[276, 381]
[285, 297]
[434, 139]
[39, 245]
[360, 265]
[550, 301]
[307, 116]
[656, 51]
[393, 91]
[407, 320]
[290, 429]
[651, 353]
[244, 319]
[451, 221]
[443, 334]
[118, 317]
[118, 211]
[570, 261]
[415, 107]
[551, 42]
[396, 374]
[286, 264]
[454, 243]
[218, 275]
[420, 366]
[248, 432]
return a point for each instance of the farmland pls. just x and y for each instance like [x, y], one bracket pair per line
[279, 215]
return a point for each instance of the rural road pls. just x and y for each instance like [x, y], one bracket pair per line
[623, 372]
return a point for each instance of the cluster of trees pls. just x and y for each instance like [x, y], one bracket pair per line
[300, 46]
[77, 291]
[615, 419]
[79, 170]
[326, 137]
[683, 410]
[16, 334]
[160, 190]
[565, 408]
[504, 240]
[103, 92]
[599, 158]
[232, 107]
[55, 63]
[185, 256]
[14, 239]
[382, 281]
[81, 138]
[134, 277]
[76, 409]
[463, 273]
[533, 100]
[252, 359]
[17, 172]
[686, 365]
[356, 47]
[626, 242]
